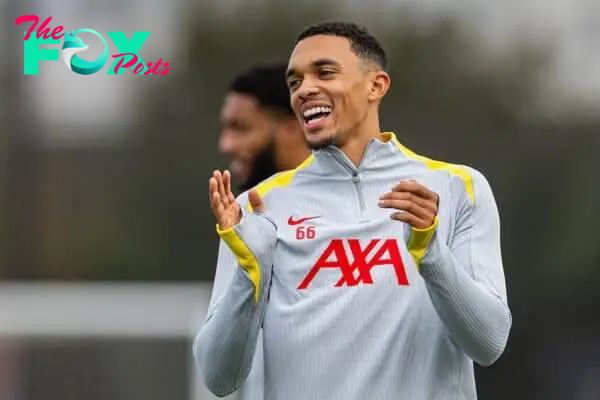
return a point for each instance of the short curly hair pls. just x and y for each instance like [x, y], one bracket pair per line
[362, 43]
[266, 83]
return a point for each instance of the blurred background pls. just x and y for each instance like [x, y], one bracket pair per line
[107, 243]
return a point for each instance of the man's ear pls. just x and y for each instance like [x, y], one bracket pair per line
[380, 84]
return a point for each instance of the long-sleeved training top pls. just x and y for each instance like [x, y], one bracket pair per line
[352, 304]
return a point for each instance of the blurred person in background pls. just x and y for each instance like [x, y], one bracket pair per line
[260, 132]
[261, 136]
[302, 255]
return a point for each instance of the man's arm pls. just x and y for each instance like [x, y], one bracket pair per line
[224, 347]
[466, 280]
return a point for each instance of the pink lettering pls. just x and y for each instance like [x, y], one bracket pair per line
[166, 70]
[156, 65]
[42, 30]
[140, 67]
[163, 71]
[129, 64]
[56, 30]
[148, 71]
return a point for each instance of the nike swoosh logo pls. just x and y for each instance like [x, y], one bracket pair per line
[292, 221]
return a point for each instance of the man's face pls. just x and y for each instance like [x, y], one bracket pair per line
[329, 89]
[246, 133]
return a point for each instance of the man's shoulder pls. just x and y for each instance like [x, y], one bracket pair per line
[465, 181]
[470, 180]
[453, 176]
[468, 187]
[459, 174]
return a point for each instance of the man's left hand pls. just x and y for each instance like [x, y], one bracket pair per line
[416, 205]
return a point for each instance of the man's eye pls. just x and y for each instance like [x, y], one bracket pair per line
[293, 82]
[325, 72]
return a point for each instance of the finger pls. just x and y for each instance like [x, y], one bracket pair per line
[410, 219]
[408, 196]
[227, 181]
[212, 187]
[416, 188]
[413, 187]
[409, 207]
[221, 185]
[217, 205]
[419, 191]
[256, 201]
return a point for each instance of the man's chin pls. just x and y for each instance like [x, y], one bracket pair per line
[321, 140]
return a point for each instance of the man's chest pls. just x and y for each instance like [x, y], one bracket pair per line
[339, 237]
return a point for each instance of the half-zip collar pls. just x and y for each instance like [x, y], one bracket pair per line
[377, 154]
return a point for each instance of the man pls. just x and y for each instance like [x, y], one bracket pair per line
[374, 272]
[261, 136]
[260, 132]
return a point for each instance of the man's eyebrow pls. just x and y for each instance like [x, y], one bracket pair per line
[290, 72]
[321, 62]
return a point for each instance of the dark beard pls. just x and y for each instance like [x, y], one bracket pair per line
[263, 167]
[331, 141]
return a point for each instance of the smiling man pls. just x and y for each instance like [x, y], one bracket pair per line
[375, 273]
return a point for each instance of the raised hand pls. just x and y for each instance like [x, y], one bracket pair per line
[226, 209]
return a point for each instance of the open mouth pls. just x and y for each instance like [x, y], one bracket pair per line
[316, 115]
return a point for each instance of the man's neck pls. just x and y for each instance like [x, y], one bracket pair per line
[291, 153]
[355, 146]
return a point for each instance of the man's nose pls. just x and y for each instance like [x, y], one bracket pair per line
[226, 143]
[307, 89]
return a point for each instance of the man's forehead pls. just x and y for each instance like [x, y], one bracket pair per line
[317, 48]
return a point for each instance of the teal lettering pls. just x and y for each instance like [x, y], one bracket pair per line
[33, 54]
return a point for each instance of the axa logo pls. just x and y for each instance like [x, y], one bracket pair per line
[73, 44]
[376, 253]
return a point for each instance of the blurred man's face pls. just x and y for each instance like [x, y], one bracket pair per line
[246, 134]
[329, 88]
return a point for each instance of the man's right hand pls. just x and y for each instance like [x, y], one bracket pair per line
[226, 209]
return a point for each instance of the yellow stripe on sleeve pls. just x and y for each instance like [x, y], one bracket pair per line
[245, 258]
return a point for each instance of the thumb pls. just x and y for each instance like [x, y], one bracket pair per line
[255, 201]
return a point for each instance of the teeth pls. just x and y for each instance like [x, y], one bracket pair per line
[314, 120]
[316, 110]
